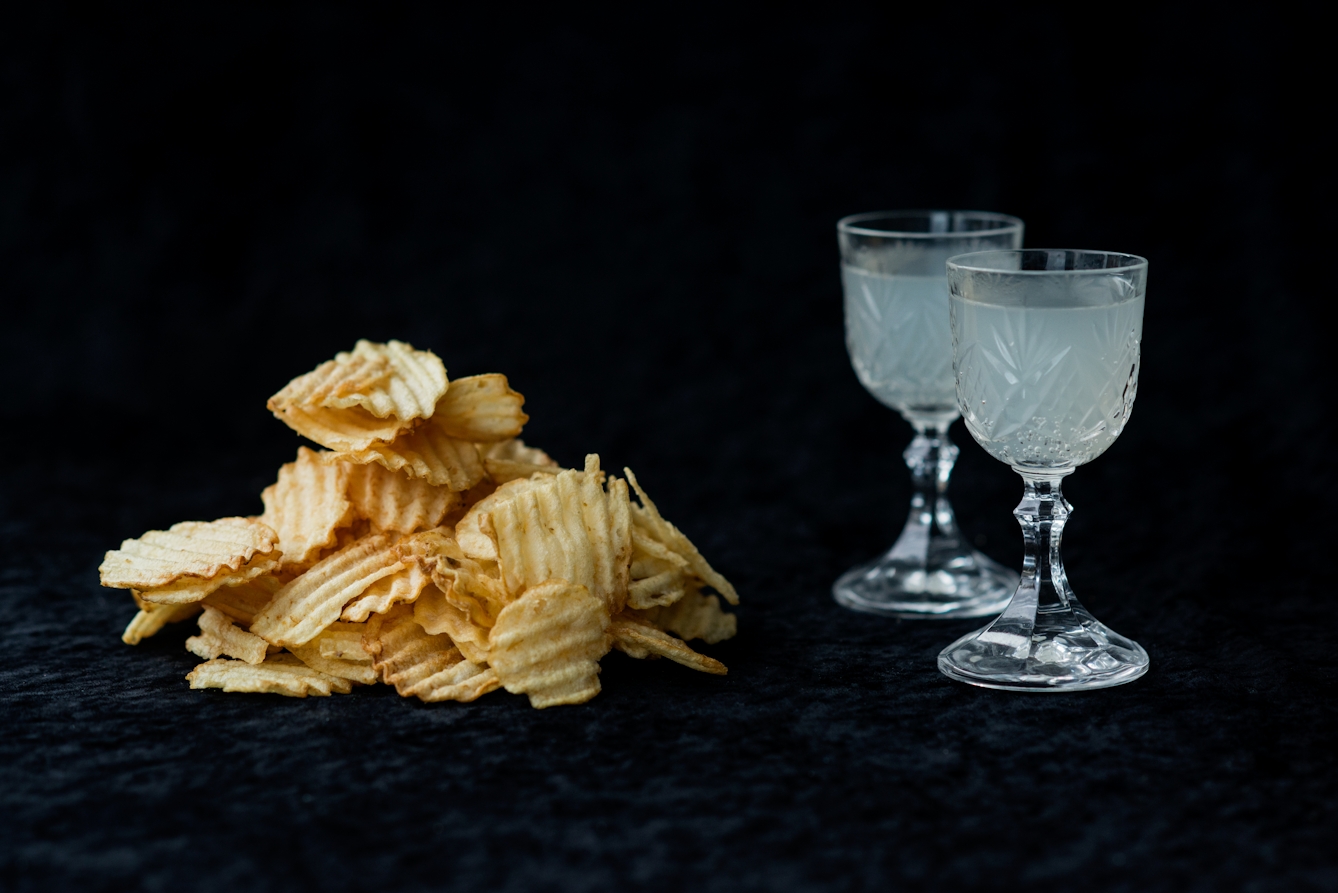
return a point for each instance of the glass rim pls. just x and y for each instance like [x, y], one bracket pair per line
[961, 262]
[848, 223]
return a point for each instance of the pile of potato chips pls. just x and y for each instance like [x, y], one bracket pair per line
[426, 548]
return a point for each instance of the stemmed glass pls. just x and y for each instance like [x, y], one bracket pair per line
[1046, 352]
[896, 310]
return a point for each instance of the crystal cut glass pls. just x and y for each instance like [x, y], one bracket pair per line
[900, 344]
[1046, 354]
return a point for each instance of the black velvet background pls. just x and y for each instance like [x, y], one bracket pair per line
[633, 218]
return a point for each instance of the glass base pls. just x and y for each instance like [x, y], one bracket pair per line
[968, 585]
[1072, 652]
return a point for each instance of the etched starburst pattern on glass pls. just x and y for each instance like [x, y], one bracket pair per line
[899, 340]
[1047, 387]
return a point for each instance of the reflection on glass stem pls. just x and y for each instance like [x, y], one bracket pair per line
[1045, 640]
[930, 571]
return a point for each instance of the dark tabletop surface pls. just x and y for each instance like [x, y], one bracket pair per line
[633, 219]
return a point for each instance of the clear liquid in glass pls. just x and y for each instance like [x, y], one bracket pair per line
[899, 339]
[1046, 387]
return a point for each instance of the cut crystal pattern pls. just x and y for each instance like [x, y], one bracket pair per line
[899, 341]
[1047, 387]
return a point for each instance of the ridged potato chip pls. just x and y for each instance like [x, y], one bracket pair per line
[547, 644]
[343, 641]
[219, 636]
[280, 674]
[659, 576]
[361, 397]
[481, 409]
[422, 665]
[510, 460]
[196, 549]
[360, 529]
[392, 500]
[515, 450]
[465, 681]
[193, 589]
[244, 601]
[648, 518]
[439, 616]
[338, 651]
[307, 506]
[390, 379]
[459, 559]
[468, 532]
[475, 587]
[694, 616]
[564, 528]
[152, 618]
[338, 429]
[301, 609]
[639, 639]
[425, 452]
[401, 587]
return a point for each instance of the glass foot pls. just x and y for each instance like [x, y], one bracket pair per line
[930, 571]
[969, 585]
[1045, 640]
[1076, 653]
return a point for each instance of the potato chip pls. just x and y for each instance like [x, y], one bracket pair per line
[694, 616]
[244, 601]
[346, 657]
[360, 529]
[639, 639]
[475, 587]
[473, 541]
[429, 549]
[364, 396]
[280, 674]
[439, 616]
[152, 618]
[501, 471]
[338, 429]
[564, 528]
[424, 452]
[390, 379]
[403, 653]
[651, 557]
[301, 609]
[401, 587]
[434, 549]
[481, 409]
[620, 540]
[548, 643]
[195, 549]
[343, 641]
[465, 681]
[663, 588]
[307, 506]
[648, 517]
[218, 636]
[659, 576]
[515, 450]
[394, 501]
[482, 490]
[193, 589]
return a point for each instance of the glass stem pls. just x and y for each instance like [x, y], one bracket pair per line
[1044, 590]
[1043, 512]
[930, 524]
